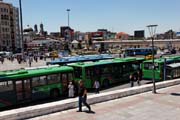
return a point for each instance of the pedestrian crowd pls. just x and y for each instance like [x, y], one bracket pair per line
[28, 58]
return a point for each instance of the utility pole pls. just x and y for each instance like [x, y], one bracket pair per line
[21, 21]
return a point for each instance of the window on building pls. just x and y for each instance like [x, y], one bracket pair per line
[2, 17]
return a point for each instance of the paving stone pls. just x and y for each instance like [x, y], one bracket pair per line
[152, 107]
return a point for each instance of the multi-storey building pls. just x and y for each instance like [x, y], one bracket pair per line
[9, 27]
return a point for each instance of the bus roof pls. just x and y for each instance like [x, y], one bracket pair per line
[174, 65]
[23, 74]
[175, 57]
[85, 64]
[103, 62]
[82, 58]
[168, 59]
[160, 60]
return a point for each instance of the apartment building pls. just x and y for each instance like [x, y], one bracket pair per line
[9, 27]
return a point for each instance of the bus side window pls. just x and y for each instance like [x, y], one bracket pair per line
[38, 81]
[147, 66]
[78, 72]
[64, 80]
[125, 68]
[6, 86]
[64, 77]
[106, 69]
[88, 73]
[70, 76]
[55, 78]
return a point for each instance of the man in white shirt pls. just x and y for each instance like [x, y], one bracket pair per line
[96, 86]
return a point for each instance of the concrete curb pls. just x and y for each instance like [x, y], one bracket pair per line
[47, 108]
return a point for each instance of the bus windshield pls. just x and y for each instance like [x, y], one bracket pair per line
[149, 66]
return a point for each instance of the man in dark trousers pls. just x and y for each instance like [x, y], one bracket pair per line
[139, 77]
[131, 78]
[82, 92]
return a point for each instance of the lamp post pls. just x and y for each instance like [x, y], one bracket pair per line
[67, 37]
[68, 10]
[152, 31]
[21, 21]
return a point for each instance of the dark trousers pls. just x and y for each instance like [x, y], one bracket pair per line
[83, 100]
[138, 82]
[132, 83]
[96, 90]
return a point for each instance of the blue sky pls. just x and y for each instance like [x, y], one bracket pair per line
[89, 15]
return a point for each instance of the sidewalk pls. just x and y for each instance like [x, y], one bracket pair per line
[147, 106]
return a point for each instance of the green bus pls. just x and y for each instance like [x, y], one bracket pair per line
[106, 71]
[21, 86]
[147, 67]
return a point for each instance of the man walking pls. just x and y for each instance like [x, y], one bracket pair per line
[131, 79]
[139, 77]
[82, 92]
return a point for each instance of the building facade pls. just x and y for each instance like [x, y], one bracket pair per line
[67, 33]
[9, 27]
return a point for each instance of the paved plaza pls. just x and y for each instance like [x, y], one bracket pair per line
[147, 106]
[8, 65]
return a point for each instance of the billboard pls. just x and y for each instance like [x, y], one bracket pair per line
[139, 34]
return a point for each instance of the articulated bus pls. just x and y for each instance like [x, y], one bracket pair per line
[106, 71]
[173, 71]
[20, 86]
[172, 64]
[31, 84]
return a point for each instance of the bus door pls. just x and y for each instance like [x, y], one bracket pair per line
[23, 90]
[65, 82]
[127, 69]
[92, 74]
[117, 72]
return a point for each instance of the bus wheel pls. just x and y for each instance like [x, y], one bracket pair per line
[106, 83]
[54, 93]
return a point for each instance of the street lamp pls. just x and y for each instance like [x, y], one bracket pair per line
[68, 10]
[21, 21]
[152, 31]
[68, 30]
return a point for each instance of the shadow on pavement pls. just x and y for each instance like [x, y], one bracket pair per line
[89, 112]
[175, 94]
